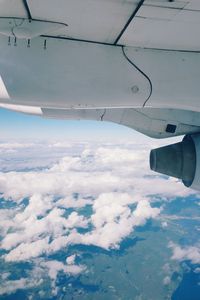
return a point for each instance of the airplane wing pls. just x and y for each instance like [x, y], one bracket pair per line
[100, 21]
[159, 24]
[132, 62]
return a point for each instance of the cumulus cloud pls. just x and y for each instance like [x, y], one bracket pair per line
[11, 286]
[71, 259]
[53, 225]
[55, 266]
[68, 202]
[191, 253]
[111, 221]
[27, 250]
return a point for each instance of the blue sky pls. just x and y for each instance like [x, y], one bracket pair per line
[17, 125]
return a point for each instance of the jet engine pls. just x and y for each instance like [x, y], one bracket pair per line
[180, 160]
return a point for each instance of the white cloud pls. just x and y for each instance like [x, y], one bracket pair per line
[164, 224]
[191, 253]
[54, 224]
[167, 280]
[112, 223]
[55, 266]
[11, 286]
[11, 146]
[143, 212]
[71, 259]
[119, 168]
[27, 250]
[68, 202]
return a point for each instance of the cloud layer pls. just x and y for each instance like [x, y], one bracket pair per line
[47, 205]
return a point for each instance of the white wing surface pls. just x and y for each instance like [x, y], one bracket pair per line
[160, 24]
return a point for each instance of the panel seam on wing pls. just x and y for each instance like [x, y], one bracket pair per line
[144, 74]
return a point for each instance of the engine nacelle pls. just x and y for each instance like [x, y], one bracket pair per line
[180, 160]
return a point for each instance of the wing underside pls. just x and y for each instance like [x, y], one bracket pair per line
[114, 88]
[163, 24]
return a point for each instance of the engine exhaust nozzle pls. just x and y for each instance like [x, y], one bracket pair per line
[176, 160]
